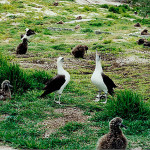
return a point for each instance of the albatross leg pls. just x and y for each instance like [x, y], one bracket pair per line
[105, 99]
[98, 96]
[58, 102]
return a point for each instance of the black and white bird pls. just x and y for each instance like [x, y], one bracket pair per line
[29, 33]
[102, 81]
[5, 91]
[59, 82]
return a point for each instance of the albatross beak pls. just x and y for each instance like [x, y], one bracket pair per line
[123, 126]
[10, 86]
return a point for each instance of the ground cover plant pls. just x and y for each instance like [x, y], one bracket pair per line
[30, 122]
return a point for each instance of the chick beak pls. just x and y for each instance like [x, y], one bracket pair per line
[123, 126]
[10, 86]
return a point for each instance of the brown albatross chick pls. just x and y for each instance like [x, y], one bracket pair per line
[22, 47]
[5, 90]
[145, 32]
[79, 51]
[115, 138]
[137, 25]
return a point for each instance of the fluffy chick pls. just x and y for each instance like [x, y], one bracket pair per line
[115, 138]
[79, 51]
[22, 47]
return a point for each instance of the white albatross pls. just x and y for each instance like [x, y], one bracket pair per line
[102, 81]
[59, 82]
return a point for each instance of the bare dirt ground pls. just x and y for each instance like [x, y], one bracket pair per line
[6, 148]
[69, 114]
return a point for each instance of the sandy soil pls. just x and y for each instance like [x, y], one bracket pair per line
[69, 114]
[6, 148]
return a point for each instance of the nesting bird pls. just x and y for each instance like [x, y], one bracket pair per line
[79, 18]
[77, 26]
[147, 43]
[22, 47]
[79, 51]
[102, 81]
[5, 91]
[60, 22]
[141, 41]
[29, 33]
[145, 32]
[55, 3]
[57, 83]
[137, 25]
[115, 138]
[135, 13]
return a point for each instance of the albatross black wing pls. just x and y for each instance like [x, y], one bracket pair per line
[53, 84]
[109, 83]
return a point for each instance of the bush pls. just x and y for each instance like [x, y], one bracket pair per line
[107, 41]
[97, 47]
[127, 105]
[112, 16]
[96, 23]
[61, 46]
[86, 30]
[126, 15]
[104, 6]
[87, 8]
[119, 9]
[20, 79]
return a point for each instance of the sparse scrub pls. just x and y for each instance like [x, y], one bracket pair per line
[104, 6]
[96, 23]
[97, 47]
[87, 8]
[126, 15]
[107, 41]
[112, 16]
[61, 47]
[86, 30]
[20, 80]
[119, 9]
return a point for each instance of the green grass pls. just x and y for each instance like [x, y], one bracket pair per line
[128, 105]
[22, 116]
[20, 79]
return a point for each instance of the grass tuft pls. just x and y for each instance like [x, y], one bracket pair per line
[20, 79]
[127, 105]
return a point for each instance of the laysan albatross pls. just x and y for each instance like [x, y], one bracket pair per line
[102, 81]
[59, 82]
[29, 33]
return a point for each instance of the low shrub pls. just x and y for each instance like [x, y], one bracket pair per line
[107, 41]
[61, 47]
[113, 16]
[119, 9]
[104, 6]
[95, 23]
[127, 105]
[86, 30]
[20, 79]
[87, 8]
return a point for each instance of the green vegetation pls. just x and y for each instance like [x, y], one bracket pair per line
[28, 122]
[112, 16]
[127, 105]
[20, 79]
[119, 9]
